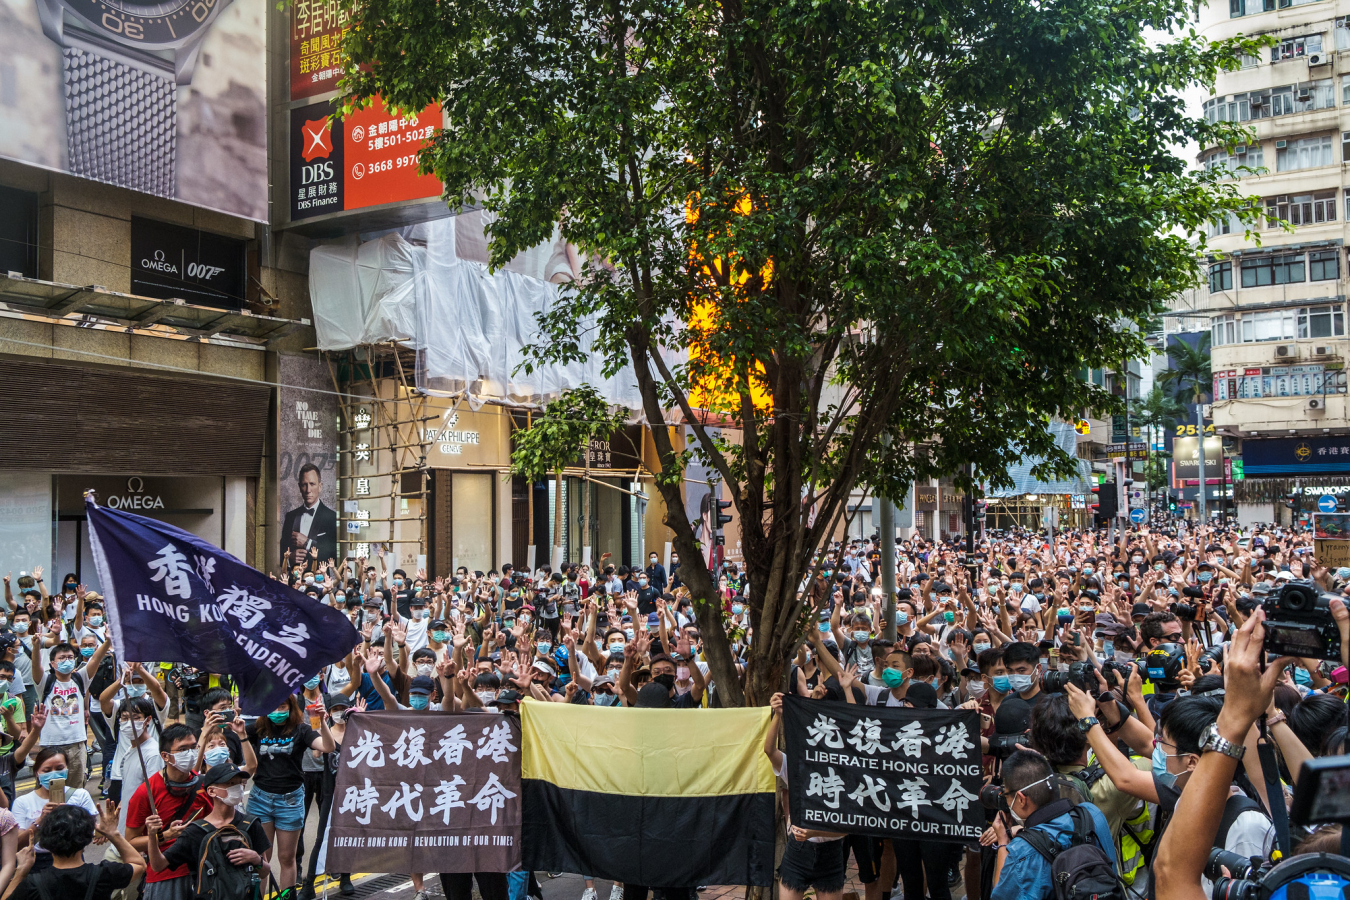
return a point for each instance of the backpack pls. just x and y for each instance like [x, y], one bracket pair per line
[1082, 869]
[216, 877]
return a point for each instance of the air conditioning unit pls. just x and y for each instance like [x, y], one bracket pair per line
[1304, 96]
[1257, 101]
[1323, 350]
[1317, 403]
[1280, 145]
[1286, 351]
[1240, 150]
[1319, 59]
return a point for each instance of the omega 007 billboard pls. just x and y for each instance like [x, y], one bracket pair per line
[164, 98]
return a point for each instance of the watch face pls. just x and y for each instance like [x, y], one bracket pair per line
[147, 24]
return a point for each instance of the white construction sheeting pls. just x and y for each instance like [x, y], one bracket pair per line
[470, 326]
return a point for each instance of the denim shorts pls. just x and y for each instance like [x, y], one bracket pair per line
[286, 812]
[814, 864]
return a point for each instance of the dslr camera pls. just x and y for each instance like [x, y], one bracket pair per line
[1299, 622]
[1081, 674]
[1001, 746]
[1164, 663]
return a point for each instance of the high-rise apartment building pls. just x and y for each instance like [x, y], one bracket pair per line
[1276, 310]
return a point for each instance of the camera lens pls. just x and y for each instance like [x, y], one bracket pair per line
[991, 797]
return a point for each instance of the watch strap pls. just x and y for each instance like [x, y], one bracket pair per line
[121, 122]
[1085, 724]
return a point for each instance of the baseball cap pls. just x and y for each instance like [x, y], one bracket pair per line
[506, 697]
[222, 773]
[422, 684]
[922, 695]
[1140, 609]
[337, 700]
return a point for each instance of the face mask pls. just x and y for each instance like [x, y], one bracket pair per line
[217, 755]
[892, 678]
[606, 699]
[615, 648]
[95, 621]
[66, 666]
[628, 633]
[1020, 683]
[86, 652]
[135, 690]
[737, 609]
[1204, 577]
[977, 689]
[1002, 683]
[860, 636]
[312, 683]
[309, 579]
[937, 684]
[419, 701]
[1158, 567]
[183, 760]
[1109, 651]
[1301, 676]
[508, 623]
[642, 582]
[545, 646]
[980, 647]
[674, 560]
[20, 627]
[440, 637]
[1087, 570]
[425, 669]
[949, 617]
[682, 673]
[46, 778]
[1159, 760]
[398, 582]
[419, 614]
[279, 717]
[234, 795]
[665, 679]
[902, 618]
[1136, 559]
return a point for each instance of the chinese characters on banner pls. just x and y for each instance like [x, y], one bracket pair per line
[317, 29]
[172, 596]
[368, 159]
[427, 792]
[886, 771]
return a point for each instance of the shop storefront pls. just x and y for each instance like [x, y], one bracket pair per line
[469, 495]
[184, 450]
[1297, 470]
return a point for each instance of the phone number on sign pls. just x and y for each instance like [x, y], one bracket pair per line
[360, 170]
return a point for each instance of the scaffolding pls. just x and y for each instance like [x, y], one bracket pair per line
[382, 426]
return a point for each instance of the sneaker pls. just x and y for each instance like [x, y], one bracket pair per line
[345, 885]
[616, 892]
[588, 894]
[420, 895]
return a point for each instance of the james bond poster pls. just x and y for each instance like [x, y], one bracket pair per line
[186, 120]
[887, 771]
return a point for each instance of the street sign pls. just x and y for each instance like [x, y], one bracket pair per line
[1132, 450]
[1118, 427]
[1138, 516]
[1327, 504]
[1082, 426]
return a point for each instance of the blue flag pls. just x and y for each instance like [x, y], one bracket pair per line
[172, 597]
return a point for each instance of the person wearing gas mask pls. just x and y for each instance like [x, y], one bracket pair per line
[178, 799]
[224, 785]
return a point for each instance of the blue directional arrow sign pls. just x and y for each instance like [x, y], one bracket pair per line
[1327, 503]
[1137, 516]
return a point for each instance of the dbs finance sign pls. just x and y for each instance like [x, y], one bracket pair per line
[368, 159]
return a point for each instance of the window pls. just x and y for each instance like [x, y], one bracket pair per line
[1301, 209]
[1305, 153]
[1321, 321]
[1275, 325]
[1293, 48]
[1228, 108]
[18, 232]
[1221, 276]
[1282, 100]
[1249, 156]
[1224, 330]
[1324, 265]
[1310, 95]
[1283, 269]
[1227, 225]
[1342, 33]
[1345, 79]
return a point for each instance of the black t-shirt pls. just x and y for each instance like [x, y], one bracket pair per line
[646, 600]
[279, 756]
[403, 599]
[74, 883]
[187, 850]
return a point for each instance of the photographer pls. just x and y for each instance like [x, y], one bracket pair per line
[1212, 767]
[1021, 869]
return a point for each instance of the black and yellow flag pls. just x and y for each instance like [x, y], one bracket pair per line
[655, 797]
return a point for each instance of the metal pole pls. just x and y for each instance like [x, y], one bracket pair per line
[886, 538]
[1200, 429]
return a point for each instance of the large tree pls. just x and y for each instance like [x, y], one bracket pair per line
[823, 222]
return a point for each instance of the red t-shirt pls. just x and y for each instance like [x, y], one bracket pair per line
[138, 810]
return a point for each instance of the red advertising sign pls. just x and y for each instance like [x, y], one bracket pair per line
[381, 156]
[317, 27]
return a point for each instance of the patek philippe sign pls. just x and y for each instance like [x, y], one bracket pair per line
[459, 437]
[170, 262]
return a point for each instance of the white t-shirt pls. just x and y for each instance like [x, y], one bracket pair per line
[417, 633]
[874, 694]
[28, 807]
[65, 711]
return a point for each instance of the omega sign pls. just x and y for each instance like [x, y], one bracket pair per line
[135, 497]
[172, 263]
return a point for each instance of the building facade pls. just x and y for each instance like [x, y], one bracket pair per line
[1276, 312]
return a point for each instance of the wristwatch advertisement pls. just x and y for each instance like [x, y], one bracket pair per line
[123, 62]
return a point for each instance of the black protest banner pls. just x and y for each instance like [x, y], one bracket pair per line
[427, 792]
[886, 771]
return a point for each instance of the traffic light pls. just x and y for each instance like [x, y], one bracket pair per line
[1173, 506]
[722, 518]
[981, 509]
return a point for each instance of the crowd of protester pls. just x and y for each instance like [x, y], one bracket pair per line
[1117, 679]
